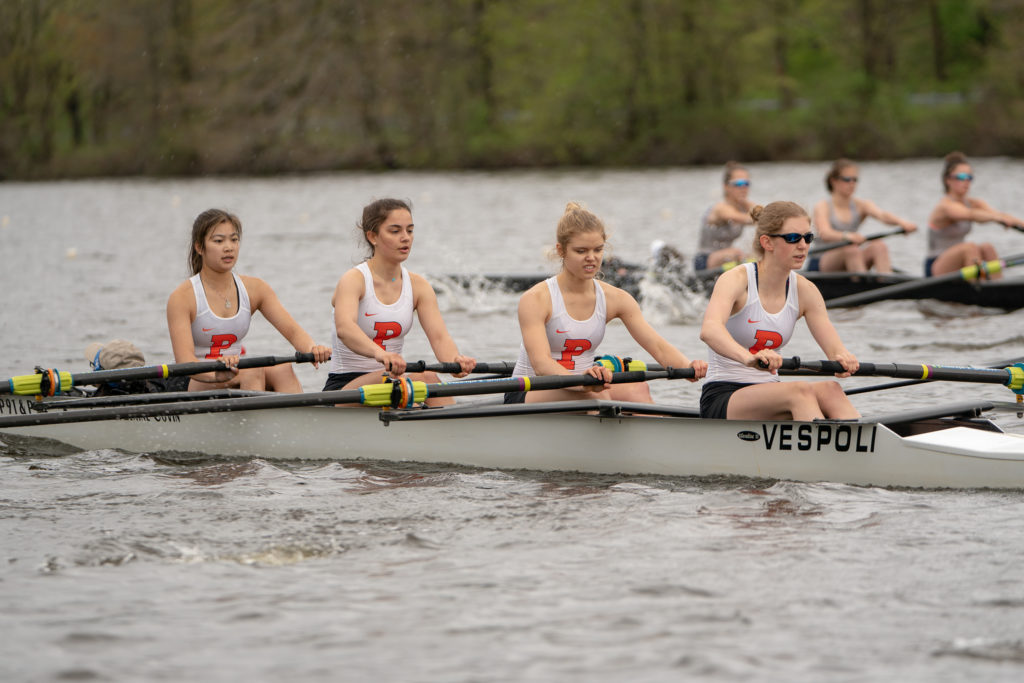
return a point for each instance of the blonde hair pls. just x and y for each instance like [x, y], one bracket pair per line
[769, 220]
[576, 220]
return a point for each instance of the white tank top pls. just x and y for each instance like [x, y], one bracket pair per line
[385, 324]
[573, 343]
[214, 336]
[755, 329]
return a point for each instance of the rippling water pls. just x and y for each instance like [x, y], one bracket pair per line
[122, 566]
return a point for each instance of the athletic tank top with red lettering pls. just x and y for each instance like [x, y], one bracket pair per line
[573, 342]
[385, 324]
[213, 335]
[755, 329]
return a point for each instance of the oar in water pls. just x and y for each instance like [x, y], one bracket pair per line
[399, 394]
[966, 273]
[1011, 377]
[48, 382]
[814, 251]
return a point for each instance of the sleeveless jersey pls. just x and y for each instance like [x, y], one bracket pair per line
[755, 329]
[212, 335]
[573, 343]
[851, 225]
[715, 237]
[385, 324]
[941, 239]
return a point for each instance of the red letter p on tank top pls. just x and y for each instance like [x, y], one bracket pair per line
[572, 348]
[385, 331]
[219, 342]
[766, 339]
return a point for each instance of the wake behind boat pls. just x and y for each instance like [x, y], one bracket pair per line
[949, 446]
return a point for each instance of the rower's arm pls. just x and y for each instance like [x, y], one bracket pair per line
[346, 298]
[429, 314]
[726, 299]
[724, 211]
[821, 221]
[534, 311]
[623, 306]
[998, 216]
[813, 309]
[869, 208]
[265, 300]
[978, 212]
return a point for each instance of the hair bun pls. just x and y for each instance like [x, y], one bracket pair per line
[573, 206]
[756, 212]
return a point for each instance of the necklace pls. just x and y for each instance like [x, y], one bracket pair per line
[382, 277]
[227, 302]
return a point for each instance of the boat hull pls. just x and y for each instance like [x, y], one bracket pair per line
[605, 439]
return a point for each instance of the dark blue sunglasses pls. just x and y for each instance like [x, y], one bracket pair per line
[794, 237]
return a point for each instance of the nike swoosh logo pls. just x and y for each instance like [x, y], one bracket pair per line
[207, 329]
[558, 331]
[369, 314]
[752, 321]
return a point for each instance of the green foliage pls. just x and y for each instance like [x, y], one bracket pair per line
[182, 87]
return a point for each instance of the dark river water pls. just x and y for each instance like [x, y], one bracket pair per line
[122, 566]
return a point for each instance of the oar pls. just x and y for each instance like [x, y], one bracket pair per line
[48, 382]
[503, 367]
[1012, 377]
[912, 382]
[399, 394]
[829, 246]
[965, 273]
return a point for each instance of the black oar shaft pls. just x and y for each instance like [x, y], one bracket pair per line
[907, 371]
[496, 368]
[160, 371]
[829, 246]
[461, 388]
[889, 291]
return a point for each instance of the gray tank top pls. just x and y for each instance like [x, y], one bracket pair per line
[852, 225]
[715, 237]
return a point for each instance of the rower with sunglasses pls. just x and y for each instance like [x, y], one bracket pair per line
[838, 219]
[723, 222]
[951, 220]
[751, 315]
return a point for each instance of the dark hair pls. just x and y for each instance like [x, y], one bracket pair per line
[836, 170]
[730, 168]
[952, 160]
[769, 219]
[376, 212]
[201, 227]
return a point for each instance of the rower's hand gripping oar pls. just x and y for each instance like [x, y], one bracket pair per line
[51, 382]
[498, 368]
[1011, 377]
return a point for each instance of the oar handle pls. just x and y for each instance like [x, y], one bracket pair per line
[1012, 377]
[496, 368]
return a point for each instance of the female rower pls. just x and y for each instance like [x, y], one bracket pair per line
[563, 319]
[208, 315]
[373, 307]
[838, 219]
[744, 337]
[723, 222]
[951, 220]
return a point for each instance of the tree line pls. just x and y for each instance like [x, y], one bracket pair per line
[184, 87]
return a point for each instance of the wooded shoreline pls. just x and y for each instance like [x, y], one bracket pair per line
[182, 87]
